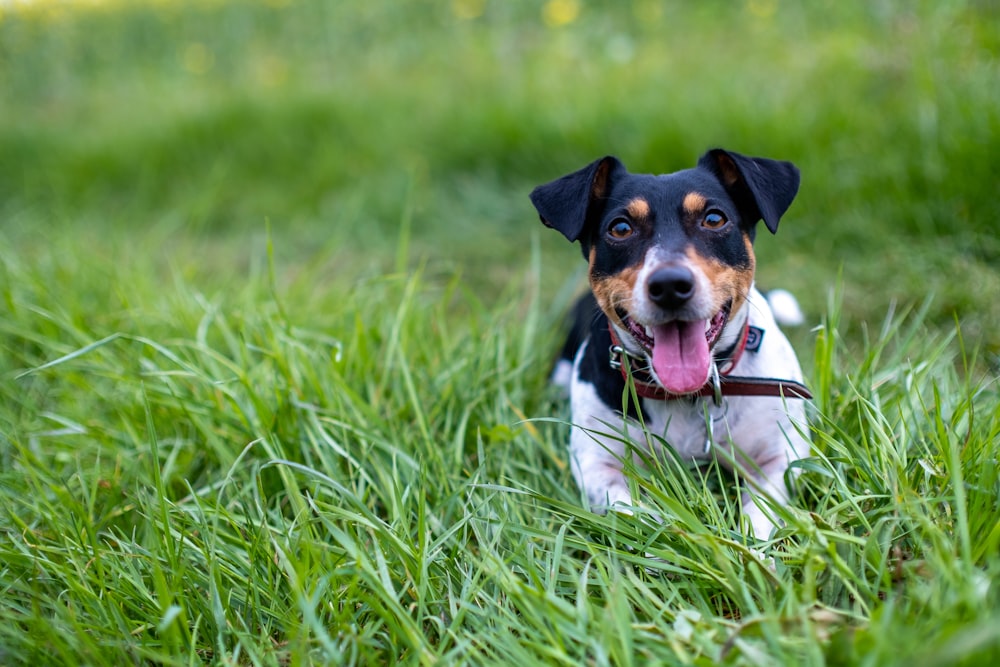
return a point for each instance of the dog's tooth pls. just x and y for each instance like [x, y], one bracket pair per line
[649, 331]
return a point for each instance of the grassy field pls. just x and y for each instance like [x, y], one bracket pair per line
[277, 317]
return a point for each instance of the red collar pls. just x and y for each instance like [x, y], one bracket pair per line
[716, 387]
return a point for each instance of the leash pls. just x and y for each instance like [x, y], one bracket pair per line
[718, 385]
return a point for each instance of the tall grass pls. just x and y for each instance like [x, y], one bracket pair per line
[277, 320]
[284, 476]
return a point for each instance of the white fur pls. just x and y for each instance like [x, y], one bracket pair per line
[562, 375]
[785, 308]
[757, 436]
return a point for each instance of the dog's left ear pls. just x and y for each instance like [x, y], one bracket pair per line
[766, 186]
[567, 203]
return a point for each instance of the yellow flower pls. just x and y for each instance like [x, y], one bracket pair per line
[558, 13]
[468, 9]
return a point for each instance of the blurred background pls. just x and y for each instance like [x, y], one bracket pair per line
[166, 137]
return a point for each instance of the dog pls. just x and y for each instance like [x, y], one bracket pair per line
[673, 312]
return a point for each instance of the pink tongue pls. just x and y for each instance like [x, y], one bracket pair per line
[680, 356]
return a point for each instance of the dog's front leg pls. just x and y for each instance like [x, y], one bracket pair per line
[597, 467]
[766, 489]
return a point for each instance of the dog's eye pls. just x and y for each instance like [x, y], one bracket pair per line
[714, 220]
[620, 229]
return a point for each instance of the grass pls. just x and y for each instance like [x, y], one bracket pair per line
[278, 319]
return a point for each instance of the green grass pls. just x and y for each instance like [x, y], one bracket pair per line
[277, 318]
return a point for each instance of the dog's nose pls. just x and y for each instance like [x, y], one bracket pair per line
[671, 287]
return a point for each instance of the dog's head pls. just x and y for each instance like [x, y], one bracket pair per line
[671, 257]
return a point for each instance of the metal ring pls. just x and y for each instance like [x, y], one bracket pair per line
[716, 386]
[615, 356]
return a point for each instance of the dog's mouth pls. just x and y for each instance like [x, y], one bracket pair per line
[680, 351]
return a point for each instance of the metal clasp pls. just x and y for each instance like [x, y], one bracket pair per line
[709, 432]
[710, 421]
[615, 353]
[716, 385]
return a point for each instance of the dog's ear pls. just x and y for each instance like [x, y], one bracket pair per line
[566, 203]
[766, 187]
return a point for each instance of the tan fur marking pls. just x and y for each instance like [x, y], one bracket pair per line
[730, 173]
[638, 208]
[694, 203]
[753, 259]
[727, 282]
[614, 290]
[599, 186]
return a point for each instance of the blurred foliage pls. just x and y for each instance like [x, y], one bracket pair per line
[338, 120]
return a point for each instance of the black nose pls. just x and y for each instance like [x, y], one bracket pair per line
[671, 287]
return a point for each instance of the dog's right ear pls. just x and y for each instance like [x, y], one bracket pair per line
[567, 203]
[766, 186]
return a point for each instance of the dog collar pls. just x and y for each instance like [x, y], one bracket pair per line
[720, 383]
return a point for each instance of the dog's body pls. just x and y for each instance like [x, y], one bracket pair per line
[673, 304]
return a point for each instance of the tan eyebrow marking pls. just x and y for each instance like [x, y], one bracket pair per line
[638, 208]
[694, 202]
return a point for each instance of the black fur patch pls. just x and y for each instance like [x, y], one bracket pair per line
[609, 384]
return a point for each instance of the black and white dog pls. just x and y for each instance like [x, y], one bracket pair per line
[673, 306]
